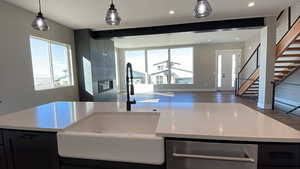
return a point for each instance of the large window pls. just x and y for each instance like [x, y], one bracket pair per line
[162, 66]
[181, 65]
[137, 59]
[51, 64]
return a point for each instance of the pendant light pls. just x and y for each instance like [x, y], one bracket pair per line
[202, 9]
[39, 23]
[112, 15]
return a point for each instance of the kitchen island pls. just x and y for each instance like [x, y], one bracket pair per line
[188, 125]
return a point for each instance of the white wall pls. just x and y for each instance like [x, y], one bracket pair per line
[266, 59]
[16, 77]
[250, 46]
[204, 68]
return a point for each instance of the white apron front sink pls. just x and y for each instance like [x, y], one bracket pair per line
[117, 136]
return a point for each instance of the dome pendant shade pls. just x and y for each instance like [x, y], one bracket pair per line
[39, 23]
[202, 9]
[112, 16]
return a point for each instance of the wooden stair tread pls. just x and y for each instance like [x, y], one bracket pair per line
[293, 48]
[253, 89]
[287, 61]
[296, 41]
[279, 75]
[289, 66]
[290, 55]
[282, 71]
[250, 95]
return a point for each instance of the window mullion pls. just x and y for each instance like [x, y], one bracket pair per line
[169, 66]
[51, 64]
[146, 67]
[70, 66]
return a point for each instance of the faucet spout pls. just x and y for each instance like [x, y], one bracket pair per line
[129, 86]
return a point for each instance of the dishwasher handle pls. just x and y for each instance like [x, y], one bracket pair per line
[222, 158]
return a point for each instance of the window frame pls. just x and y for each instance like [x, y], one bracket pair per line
[69, 60]
[169, 48]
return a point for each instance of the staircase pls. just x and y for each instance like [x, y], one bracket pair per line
[287, 61]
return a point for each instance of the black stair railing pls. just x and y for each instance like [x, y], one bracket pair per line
[247, 69]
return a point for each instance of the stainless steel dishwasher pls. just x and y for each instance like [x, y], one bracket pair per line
[206, 155]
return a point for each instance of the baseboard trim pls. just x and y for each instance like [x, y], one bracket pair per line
[264, 106]
[185, 90]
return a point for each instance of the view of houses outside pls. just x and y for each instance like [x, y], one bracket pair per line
[158, 66]
[162, 68]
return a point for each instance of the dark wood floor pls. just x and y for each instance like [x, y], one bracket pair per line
[222, 97]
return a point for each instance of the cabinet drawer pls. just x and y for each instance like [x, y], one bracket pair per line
[204, 155]
[279, 155]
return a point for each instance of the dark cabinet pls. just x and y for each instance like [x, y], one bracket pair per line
[72, 163]
[279, 156]
[2, 159]
[31, 150]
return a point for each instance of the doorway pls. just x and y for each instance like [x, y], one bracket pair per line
[228, 65]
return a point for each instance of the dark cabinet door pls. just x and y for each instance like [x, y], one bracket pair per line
[31, 150]
[2, 158]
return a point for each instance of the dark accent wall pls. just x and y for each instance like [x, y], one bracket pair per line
[103, 68]
[82, 44]
[101, 54]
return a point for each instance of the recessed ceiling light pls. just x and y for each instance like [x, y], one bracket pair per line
[251, 4]
[171, 12]
[209, 40]
[237, 38]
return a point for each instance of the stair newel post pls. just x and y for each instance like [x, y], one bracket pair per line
[238, 84]
[273, 96]
[257, 56]
[236, 87]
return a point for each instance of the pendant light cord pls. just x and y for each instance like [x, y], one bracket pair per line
[40, 6]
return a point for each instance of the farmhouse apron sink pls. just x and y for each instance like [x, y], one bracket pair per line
[114, 136]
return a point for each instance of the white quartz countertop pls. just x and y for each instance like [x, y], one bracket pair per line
[211, 121]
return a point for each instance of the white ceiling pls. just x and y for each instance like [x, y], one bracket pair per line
[185, 38]
[79, 14]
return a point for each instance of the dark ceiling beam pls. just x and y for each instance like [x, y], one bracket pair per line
[195, 27]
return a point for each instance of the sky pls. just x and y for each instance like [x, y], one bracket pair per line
[41, 61]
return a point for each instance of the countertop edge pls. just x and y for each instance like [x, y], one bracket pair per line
[231, 138]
